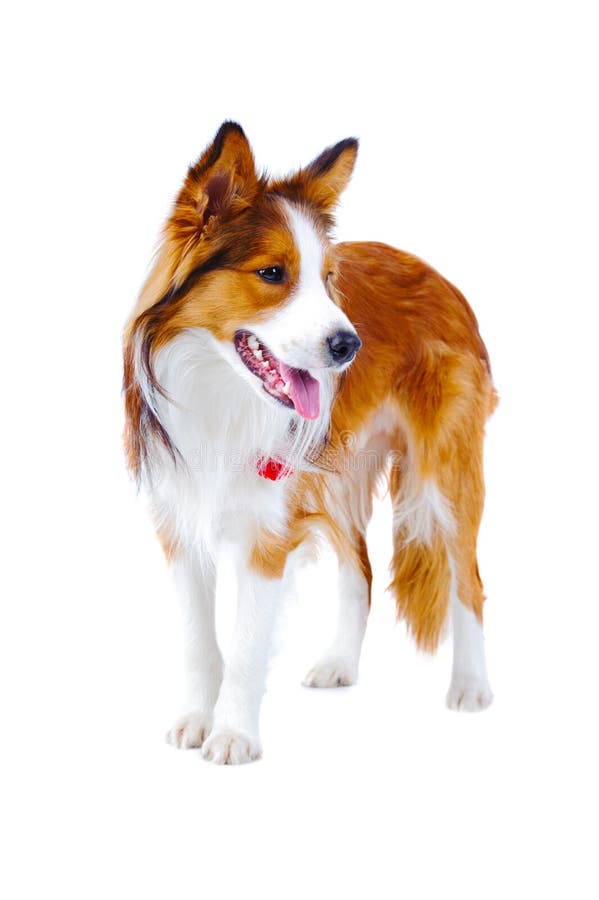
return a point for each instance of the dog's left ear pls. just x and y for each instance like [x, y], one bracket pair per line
[322, 181]
[330, 172]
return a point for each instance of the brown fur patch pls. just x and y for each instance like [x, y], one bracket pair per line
[168, 542]
[420, 582]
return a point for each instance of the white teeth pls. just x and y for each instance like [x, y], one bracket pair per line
[286, 388]
[253, 342]
[258, 354]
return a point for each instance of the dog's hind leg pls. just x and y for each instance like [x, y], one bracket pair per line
[469, 689]
[347, 508]
[339, 665]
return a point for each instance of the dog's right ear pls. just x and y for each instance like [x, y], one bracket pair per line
[221, 183]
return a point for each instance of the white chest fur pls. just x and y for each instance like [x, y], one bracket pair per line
[220, 427]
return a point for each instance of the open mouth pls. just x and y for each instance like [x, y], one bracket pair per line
[294, 388]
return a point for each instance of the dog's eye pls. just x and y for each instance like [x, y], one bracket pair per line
[274, 274]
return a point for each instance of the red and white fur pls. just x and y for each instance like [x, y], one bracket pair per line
[254, 419]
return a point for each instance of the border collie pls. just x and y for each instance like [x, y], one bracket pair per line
[272, 380]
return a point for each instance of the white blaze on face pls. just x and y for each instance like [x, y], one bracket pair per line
[297, 334]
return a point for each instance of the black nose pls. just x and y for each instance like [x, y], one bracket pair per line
[343, 346]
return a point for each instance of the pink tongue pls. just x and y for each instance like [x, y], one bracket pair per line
[303, 391]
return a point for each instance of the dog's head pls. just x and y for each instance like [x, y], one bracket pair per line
[248, 259]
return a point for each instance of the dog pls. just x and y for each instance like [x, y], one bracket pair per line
[271, 380]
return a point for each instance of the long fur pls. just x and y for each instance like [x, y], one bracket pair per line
[410, 409]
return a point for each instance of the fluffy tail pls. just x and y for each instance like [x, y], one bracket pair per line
[437, 491]
[420, 568]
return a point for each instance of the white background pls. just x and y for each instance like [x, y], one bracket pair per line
[479, 153]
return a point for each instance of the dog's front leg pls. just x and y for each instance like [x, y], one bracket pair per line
[194, 575]
[235, 734]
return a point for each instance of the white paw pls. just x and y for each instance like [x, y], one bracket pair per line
[331, 672]
[469, 693]
[231, 748]
[190, 730]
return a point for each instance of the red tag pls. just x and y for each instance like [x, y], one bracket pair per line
[273, 469]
